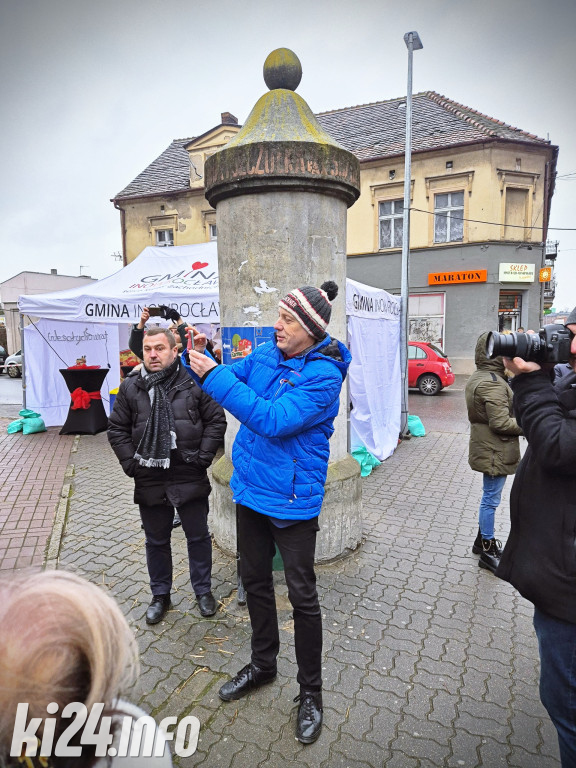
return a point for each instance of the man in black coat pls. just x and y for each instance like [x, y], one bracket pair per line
[540, 556]
[165, 431]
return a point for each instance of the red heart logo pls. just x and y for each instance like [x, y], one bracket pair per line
[199, 264]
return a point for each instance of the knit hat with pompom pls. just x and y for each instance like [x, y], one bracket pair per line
[311, 307]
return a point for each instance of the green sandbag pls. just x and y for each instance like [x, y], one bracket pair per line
[26, 414]
[366, 460]
[15, 426]
[31, 425]
[415, 426]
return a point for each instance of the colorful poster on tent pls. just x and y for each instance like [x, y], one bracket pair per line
[239, 341]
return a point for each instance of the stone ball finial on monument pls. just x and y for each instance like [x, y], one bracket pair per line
[282, 69]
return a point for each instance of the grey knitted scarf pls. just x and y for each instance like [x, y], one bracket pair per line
[160, 432]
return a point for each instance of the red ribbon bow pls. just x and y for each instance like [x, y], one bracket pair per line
[81, 398]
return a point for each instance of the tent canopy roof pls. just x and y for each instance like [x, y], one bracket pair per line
[182, 276]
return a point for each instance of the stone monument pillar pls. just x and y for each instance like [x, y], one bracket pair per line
[281, 188]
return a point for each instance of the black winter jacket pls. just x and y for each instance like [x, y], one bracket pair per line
[539, 558]
[200, 427]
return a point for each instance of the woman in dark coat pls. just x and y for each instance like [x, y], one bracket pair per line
[494, 447]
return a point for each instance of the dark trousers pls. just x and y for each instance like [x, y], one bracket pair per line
[257, 535]
[557, 644]
[157, 521]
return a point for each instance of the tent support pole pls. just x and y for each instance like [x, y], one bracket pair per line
[23, 358]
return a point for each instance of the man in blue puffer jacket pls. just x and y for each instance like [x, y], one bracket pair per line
[286, 395]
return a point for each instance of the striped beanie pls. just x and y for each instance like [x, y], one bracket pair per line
[311, 307]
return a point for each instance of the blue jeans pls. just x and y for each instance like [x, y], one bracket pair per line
[491, 495]
[557, 644]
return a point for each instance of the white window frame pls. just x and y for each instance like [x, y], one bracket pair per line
[447, 212]
[160, 240]
[213, 231]
[396, 214]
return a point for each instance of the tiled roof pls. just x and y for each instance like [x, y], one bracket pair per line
[370, 131]
[170, 172]
[375, 130]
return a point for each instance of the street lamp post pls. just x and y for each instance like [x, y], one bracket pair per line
[413, 43]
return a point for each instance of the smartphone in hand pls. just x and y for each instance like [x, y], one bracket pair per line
[190, 344]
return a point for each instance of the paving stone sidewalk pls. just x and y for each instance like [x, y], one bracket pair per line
[32, 479]
[428, 660]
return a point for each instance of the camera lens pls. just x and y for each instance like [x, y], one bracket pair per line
[524, 345]
[498, 344]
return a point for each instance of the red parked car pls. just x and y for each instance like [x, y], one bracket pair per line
[428, 368]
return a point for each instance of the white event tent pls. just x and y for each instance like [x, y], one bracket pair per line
[90, 319]
[184, 277]
[374, 374]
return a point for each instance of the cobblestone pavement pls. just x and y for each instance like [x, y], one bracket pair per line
[32, 479]
[428, 659]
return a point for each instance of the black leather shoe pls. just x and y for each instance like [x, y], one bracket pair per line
[249, 678]
[157, 609]
[490, 556]
[309, 720]
[206, 604]
[176, 522]
[477, 546]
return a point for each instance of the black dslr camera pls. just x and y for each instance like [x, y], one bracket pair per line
[166, 313]
[550, 345]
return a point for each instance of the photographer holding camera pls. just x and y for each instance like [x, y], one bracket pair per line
[166, 313]
[539, 558]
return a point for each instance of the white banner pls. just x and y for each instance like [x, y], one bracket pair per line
[371, 303]
[516, 273]
[375, 381]
[184, 277]
[50, 345]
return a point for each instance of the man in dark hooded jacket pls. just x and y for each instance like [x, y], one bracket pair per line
[494, 447]
[540, 555]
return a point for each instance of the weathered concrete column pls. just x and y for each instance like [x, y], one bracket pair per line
[281, 188]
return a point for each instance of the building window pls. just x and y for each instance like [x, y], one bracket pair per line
[164, 237]
[213, 231]
[509, 310]
[390, 216]
[449, 217]
[426, 318]
[515, 215]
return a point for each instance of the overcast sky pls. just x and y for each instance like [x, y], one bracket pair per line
[92, 92]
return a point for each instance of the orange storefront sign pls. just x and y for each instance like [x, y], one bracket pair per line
[453, 278]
